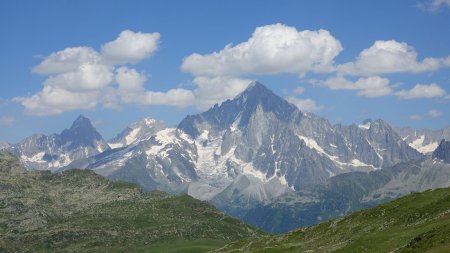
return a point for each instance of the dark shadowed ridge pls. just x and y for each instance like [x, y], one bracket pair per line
[442, 152]
[81, 133]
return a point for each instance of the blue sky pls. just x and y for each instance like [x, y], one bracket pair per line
[118, 61]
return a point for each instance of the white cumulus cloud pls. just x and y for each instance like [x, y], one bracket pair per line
[390, 56]
[271, 49]
[82, 78]
[212, 90]
[130, 47]
[55, 100]
[67, 60]
[305, 105]
[131, 90]
[86, 76]
[373, 86]
[422, 91]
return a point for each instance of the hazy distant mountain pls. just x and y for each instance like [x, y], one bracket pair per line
[424, 140]
[51, 152]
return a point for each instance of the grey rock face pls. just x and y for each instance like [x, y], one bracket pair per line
[279, 140]
[442, 152]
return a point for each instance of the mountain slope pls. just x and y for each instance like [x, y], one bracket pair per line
[80, 211]
[41, 152]
[419, 222]
[347, 193]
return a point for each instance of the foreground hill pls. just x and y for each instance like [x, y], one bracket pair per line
[419, 222]
[79, 211]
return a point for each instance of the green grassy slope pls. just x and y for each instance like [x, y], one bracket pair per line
[79, 211]
[419, 222]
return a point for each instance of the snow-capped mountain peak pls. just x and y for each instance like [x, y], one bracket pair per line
[136, 131]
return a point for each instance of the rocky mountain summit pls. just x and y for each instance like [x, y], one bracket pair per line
[42, 152]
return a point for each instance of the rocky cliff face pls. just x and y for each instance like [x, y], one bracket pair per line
[442, 152]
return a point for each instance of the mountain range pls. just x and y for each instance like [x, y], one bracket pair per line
[256, 156]
[41, 152]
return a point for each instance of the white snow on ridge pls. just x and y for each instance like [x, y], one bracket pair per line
[428, 148]
[358, 163]
[417, 144]
[63, 160]
[365, 126]
[115, 145]
[312, 144]
[132, 136]
[37, 158]
[149, 121]
[163, 137]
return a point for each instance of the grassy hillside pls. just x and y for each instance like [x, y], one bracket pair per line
[79, 211]
[419, 222]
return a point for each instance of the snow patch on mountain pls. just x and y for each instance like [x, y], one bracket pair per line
[365, 126]
[132, 136]
[312, 144]
[418, 144]
[37, 158]
[115, 145]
